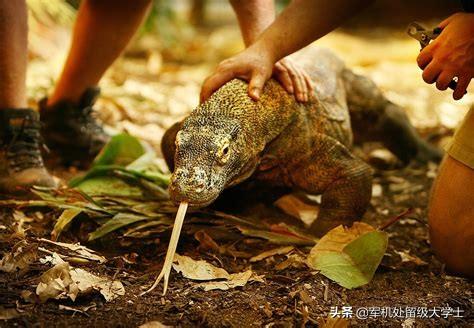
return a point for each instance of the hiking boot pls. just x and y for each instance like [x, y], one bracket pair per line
[21, 164]
[72, 130]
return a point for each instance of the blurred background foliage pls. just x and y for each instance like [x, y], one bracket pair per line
[176, 21]
[158, 79]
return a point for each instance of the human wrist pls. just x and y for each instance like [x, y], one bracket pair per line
[265, 51]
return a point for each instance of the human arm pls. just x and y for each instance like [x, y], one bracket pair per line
[302, 22]
[254, 16]
[451, 54]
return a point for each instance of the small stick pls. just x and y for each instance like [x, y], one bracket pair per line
[165, 271]
[395, 219]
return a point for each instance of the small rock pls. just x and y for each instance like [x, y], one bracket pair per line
[377, 190]
[383, 159]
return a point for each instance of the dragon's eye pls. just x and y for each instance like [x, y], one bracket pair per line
[223, 153]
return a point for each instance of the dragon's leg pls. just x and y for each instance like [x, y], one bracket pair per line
[375, 118]
[344, 181]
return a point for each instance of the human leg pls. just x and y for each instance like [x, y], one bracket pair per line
[451, 216]
[21, 164]
[13, 53]
[451, 211]
[102, 31]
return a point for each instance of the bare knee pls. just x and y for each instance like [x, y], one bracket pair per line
[451, 217]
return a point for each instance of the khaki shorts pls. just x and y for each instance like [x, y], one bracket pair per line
[461, 146]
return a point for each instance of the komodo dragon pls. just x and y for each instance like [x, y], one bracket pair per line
[280, 142]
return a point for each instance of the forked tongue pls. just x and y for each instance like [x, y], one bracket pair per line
[165, 271]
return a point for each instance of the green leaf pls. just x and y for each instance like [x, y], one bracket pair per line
[68, 199]
[143, 163]
[122, 149]
[46, 194]
[122, 168]
[349, 256]
[97, 171]
[110, 186]
[43, 203]
[146, 166]
[64, 219]
[118, 221]
[158, 178]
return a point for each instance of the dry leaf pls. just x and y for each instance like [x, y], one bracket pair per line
[292, 205]
[54, 259]
[294, 260]
[203, 271]
[272, 252]
[62, 281]
[78, 250]
[57, 283]
[281, 234]
[234, 280]
[86, 282]
[198, 270]
[19, 259]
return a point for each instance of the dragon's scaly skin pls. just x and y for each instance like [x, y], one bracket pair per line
[281, 142]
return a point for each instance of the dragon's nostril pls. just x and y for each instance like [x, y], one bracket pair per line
[199, 187]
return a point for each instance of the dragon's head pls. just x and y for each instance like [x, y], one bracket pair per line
[210, 155]
[217, 146]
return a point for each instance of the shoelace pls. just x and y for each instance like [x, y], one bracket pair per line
[23, 151]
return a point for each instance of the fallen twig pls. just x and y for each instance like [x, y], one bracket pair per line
[395, 219]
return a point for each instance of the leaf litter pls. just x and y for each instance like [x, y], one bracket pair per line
[65, 281]
[124, 193]
[20, 258]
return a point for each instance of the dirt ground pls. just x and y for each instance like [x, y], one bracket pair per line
[148, 90]
[287, 298]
